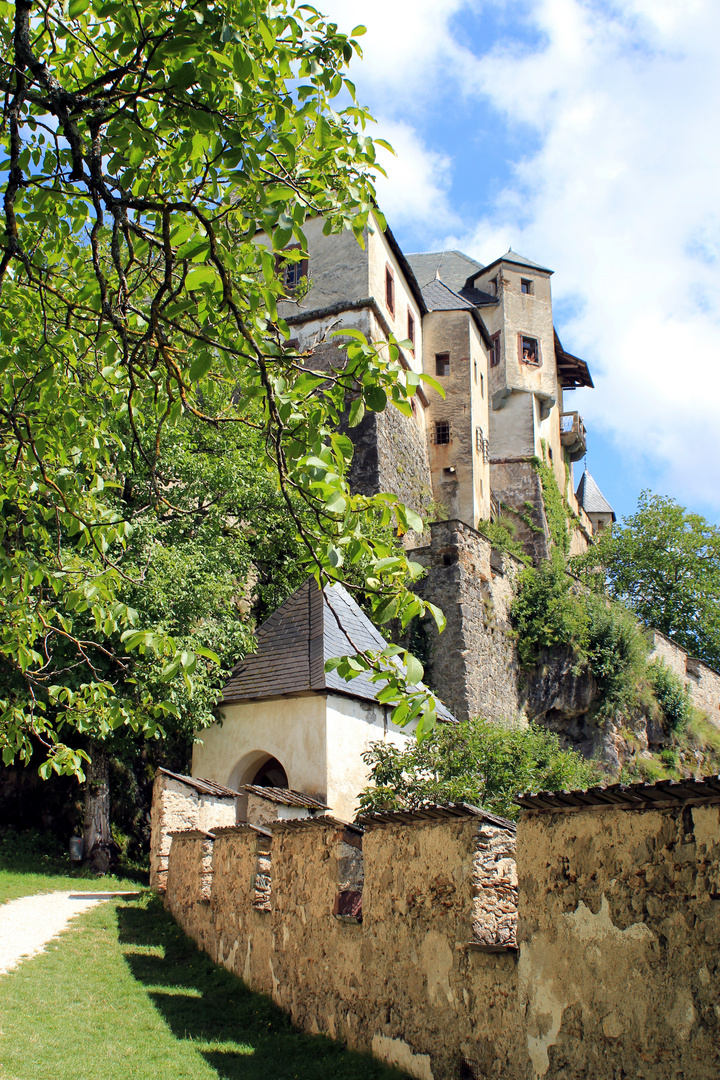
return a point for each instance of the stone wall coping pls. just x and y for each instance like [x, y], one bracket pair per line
[205, 787]
[426, 814]
[192, 834]
[241, 827]
[290, 824]
[458, 526]
[662, 795]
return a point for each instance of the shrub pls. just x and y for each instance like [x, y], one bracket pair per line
[479, 762]
[671, 693]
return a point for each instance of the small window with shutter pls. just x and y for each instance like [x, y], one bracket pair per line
[411, 330]
[390, 289]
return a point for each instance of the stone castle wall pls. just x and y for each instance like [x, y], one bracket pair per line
[617, 969]
[473, 664]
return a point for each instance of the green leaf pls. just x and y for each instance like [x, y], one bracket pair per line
[376, 398]
[77, 8]
[413, 670]
[200, 366]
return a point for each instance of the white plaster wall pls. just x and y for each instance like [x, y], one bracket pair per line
[480, 418]
[379, 255]
[337, 268]
[291, 729]
[352, 726]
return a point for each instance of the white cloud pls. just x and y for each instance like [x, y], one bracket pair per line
[415, 189]
[407, 48]
[621, 199]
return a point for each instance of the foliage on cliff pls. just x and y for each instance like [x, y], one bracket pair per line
[663, 562]
[147, 146]
[479, 762]
[553, 611]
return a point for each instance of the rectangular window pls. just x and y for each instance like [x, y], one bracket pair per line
[526, 286]
[442, 432]
[291, 273]
[442, 363]
[495, 351]
[411, 329]
[529, 349]
[482, 386]
[475, 369]
[390, 290]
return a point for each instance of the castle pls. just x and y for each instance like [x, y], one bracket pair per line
[447, 941]
[486, 335]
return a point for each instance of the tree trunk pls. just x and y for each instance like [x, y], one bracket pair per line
[98, 842]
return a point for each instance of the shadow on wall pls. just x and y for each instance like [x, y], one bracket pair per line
[205, 1003]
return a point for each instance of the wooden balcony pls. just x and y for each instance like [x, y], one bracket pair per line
[572, 435]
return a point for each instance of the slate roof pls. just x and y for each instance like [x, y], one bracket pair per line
[454, 267]
[440, 297]
[591, 498]
[511, 256]
[284, 796]
[663, 794]
[294, 644]
[205, 787]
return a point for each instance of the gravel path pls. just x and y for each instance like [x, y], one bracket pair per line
[27, 924]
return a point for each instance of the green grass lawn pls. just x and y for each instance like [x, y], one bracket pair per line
[125, 995]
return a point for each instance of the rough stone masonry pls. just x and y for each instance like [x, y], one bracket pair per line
[613, 970]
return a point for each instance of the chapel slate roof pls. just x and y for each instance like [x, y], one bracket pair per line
[590, 497]
[310, 628]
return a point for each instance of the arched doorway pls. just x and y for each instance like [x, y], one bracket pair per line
[270, 774]
[258, 768]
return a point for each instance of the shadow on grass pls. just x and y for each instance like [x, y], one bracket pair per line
[240, 1034]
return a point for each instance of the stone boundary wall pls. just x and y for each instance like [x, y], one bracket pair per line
[619, 942]
[617, 967]
[703, 681]
[178, 805]
[406, 980]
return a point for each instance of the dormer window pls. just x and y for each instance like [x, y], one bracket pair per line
[526, 286]
[390, 290]
[411, 330]
[529, 349]
[442, 363]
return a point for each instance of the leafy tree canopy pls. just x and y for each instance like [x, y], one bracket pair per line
[479, 762]
[663, 562]
[147, 148]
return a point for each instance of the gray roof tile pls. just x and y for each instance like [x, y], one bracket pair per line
[440, 297]
[591, 498]
[294, 644]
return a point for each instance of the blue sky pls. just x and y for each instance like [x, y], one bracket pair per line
[583, 134]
